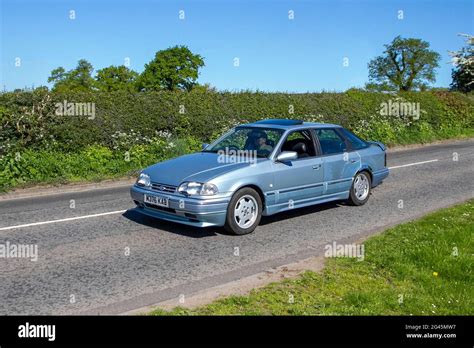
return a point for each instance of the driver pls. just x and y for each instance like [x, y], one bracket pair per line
[261, 142]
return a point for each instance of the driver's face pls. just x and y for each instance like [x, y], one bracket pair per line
[262, 141]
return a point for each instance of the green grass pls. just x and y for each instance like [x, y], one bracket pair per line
[416, 260]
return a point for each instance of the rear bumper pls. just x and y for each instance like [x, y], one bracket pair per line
[379, 176]
[190, 211]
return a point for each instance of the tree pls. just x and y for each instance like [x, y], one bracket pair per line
[405, 65]
[116, 78]
[463, 72]
[78, 78]
[57, 75]
[175, 68]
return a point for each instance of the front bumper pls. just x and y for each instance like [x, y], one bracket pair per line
[186, 210]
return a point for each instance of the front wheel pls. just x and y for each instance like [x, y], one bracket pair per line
[360, 189]
[244, 212]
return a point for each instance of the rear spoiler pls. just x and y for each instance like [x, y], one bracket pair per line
[378, 143]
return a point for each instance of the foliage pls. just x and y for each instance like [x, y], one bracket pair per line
[175, 68]
[463, 60]
[171, 69]
[116, 78]
[28, 119]
[94, 162]
[407, 64]
[79, 78]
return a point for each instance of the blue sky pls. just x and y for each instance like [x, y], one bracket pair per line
[275, 53]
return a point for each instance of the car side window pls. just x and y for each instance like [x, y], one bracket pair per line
[354, 140]
[331, 142]
[301, 142]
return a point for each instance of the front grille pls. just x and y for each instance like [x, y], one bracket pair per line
[163, 187]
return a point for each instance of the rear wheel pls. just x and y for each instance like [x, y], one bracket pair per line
[244, 212]
[360, 189]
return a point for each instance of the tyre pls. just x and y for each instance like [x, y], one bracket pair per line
[244, 212]
[360, 189]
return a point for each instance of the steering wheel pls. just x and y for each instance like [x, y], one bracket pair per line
[263, 152]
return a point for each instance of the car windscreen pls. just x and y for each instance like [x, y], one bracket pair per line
[247, 141]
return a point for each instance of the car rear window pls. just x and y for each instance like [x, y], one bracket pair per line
[331, 142]
[354, 140]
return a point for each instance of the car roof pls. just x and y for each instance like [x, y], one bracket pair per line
[289, 124]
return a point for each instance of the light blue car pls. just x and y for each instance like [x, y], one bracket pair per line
[261, 168]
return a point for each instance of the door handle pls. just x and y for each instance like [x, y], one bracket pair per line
[353, 160]
[316, 166]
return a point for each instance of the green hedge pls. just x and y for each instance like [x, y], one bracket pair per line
[28, 119]
[144, 124]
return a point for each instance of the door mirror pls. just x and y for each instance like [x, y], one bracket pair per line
[204, 146]
[286, 156]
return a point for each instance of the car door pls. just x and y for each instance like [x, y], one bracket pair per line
[339, 163]
[299, 181]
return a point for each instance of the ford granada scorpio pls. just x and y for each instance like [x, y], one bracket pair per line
[261, 168]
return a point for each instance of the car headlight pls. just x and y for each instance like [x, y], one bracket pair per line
[208, 189]
[197, 188]
[144, 180]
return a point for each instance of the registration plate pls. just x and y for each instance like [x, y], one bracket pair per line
[156, 200]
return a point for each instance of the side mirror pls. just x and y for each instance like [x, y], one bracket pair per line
[286, 156]
[204, 146]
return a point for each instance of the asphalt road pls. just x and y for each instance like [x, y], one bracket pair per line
[119, 261]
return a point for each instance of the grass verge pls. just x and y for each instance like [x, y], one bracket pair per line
[424, 267]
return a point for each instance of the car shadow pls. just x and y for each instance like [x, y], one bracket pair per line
[173, 227]
[289, 214]
[198, 232]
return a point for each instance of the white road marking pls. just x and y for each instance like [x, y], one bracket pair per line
[123, 211]
[61, 220]
[412, 164]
